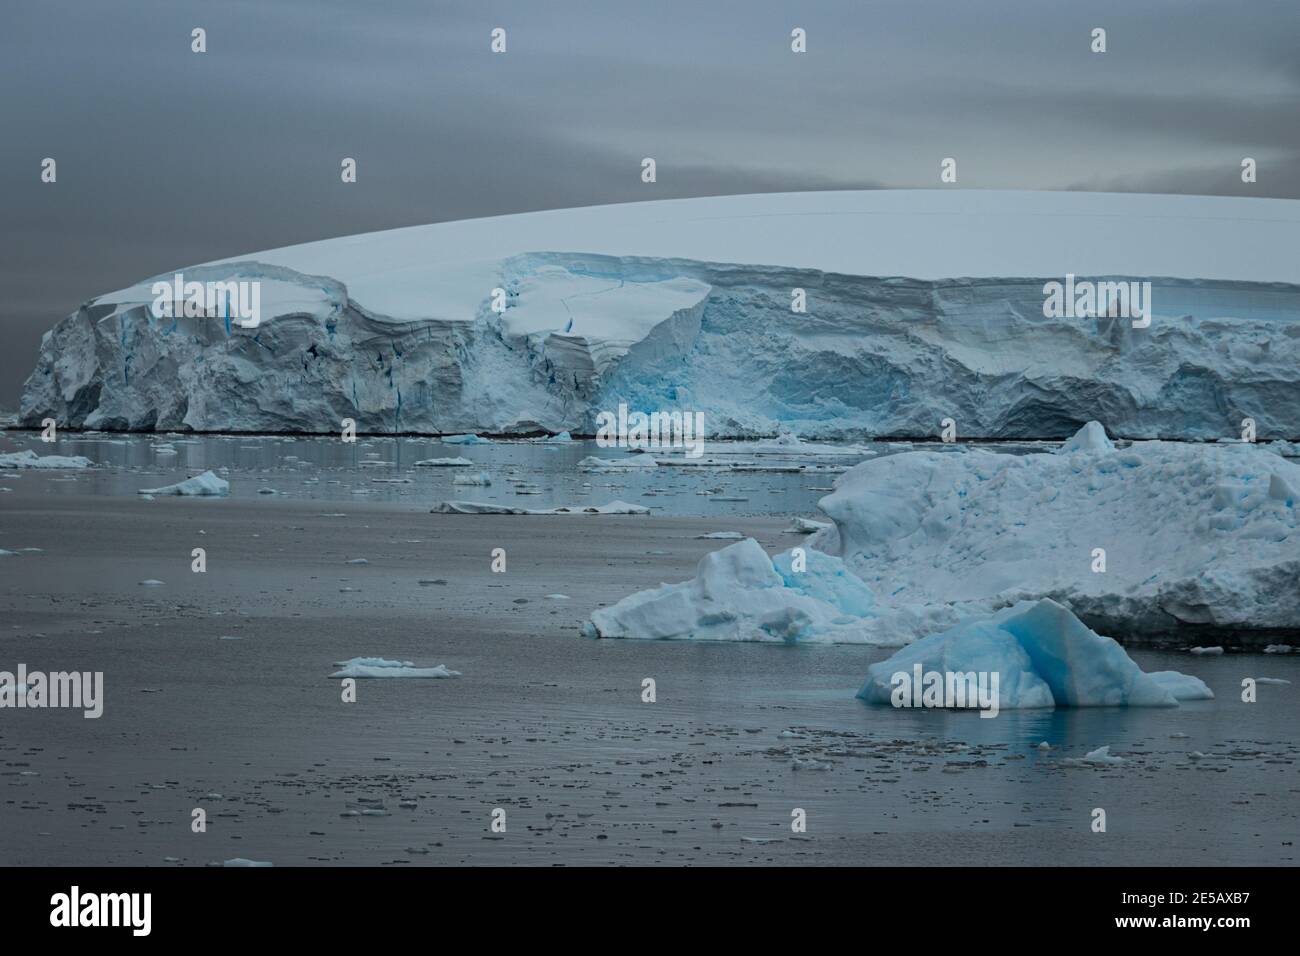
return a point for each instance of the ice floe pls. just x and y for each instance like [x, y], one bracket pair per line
[207, 484]
[630, 463]
[487, 508]
[29, 459]
[379, 667]
[444, 463]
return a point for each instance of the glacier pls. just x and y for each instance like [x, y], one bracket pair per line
[921, 305]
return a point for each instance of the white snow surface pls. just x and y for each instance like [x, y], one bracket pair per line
[685, 305]
[1043, 655]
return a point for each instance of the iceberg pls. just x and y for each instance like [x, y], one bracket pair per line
[740, 594]
[1157, 539]
[1154, 539]
[539, 322]
[207, 484]
[465, 440]
[1043, 655]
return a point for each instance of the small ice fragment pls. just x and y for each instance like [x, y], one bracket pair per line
[204, 485]
[1102, 755]
[378, 667]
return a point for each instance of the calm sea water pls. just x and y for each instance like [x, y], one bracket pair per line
[523, 474]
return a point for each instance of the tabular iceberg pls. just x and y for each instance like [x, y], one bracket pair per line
[920, 306]
[1155, 538]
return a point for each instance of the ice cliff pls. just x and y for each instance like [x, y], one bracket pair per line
[920, 306]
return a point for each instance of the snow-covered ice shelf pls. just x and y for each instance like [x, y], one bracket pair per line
[921, 305]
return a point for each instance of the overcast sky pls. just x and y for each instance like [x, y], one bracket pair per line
[166, 157]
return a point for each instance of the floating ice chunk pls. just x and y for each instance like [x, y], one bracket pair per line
[560, 439]
[379, 667]
[1271, 680]
[29, 459]
[1211, 651]
[241, 861]
[721, 536]
[444, 463]
[487, 508]
[472, 478]
[806, 526]
[1043, 655]
[740, 594]
[151, 583]
[1090, 438]
[630, 463]
[1278, 649]
[205, 485]
[811, 763]
[465, 440]
[1102, 755]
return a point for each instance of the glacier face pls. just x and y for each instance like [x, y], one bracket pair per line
[668, 310]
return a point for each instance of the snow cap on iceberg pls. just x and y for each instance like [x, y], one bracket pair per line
[1043, 655]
